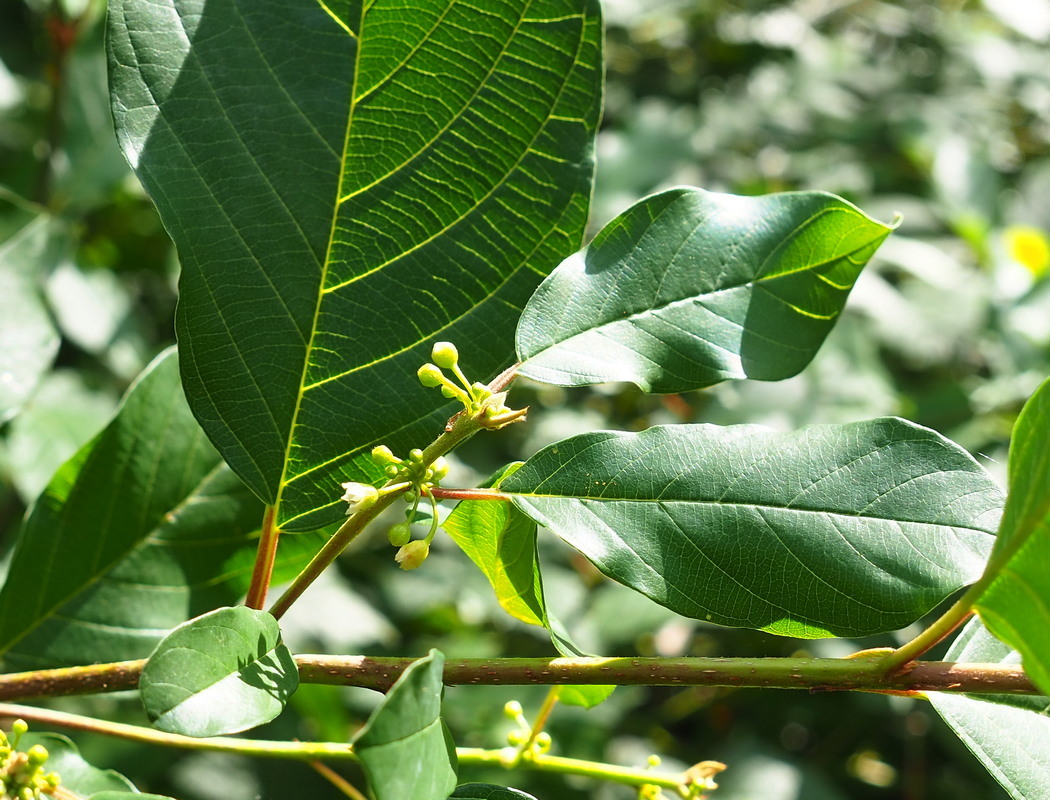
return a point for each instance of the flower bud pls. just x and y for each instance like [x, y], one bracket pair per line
[415, 455]
[439, 469]
[412, 554]
[391, 470]
[430, 375]
[400, 534]
[382, 455]
[37, 755]
[445, 354]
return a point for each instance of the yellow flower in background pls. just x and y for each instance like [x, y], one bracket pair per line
[1028, 246]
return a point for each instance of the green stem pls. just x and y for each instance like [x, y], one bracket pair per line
[265, 556]
[573, 766]
[460, 430]
[936, 632]
[314, 751]
[299, 751]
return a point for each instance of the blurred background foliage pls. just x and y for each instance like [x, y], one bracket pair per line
[936, 110]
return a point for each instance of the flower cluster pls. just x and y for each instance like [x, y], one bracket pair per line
[477, 398]
[22, 775]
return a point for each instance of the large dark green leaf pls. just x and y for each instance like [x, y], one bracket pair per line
[147, 494]
[29, 338]
[405, 747]
[224, 672]
[345, 183]
[840, 530]
[689, 288]
[1016, 605]
[1010, 734]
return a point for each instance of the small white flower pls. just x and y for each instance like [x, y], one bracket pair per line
[412, 554]
[359, 496]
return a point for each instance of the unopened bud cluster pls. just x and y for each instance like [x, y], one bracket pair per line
[22, 775]
[477, 398]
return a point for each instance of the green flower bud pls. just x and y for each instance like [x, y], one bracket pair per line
[415, 455]
[513, 709]
[445, 354]
[449, 392]
[391, 470]
[400, 534]
[430, 375]
[37, 755]
[413, 554]
[439, 469]
[382, 455]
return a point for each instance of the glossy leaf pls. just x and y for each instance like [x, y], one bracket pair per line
[321, 254]
[29, 338]
[487, 791]
[145, 472]
[77, 774]
[405, 748]
[1009, 734]
[833, 530]
[502, 542]
[689, 288]
[1016, 605]
[224, 672]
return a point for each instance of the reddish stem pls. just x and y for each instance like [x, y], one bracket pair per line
[264, 560]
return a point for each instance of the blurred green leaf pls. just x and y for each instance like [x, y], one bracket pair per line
[224, 672]
[1010, 735]
[321, 254]
[77, 774]
[689, 288]
[28, 340]
[487, 791]
[61, 416]
[1016, 605]
[812, 533]
[405, 747]
[127, 796]
[584, 696]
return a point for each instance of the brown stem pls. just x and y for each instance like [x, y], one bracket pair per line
[812, 674]
[467, 494]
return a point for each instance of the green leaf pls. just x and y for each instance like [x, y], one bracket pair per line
[502, 542]
[323, 254]
[1016, 604]
[405, 747]
[29, 338]
[689, 288]
[77, 775]
[1011, 741]
[224, 672]
[128, 796]
[833, 530]
[487, 791]
[585, 696]
[148, 479]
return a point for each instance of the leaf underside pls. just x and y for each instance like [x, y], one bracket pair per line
[1009, 734]
[332, 223]
[224, 672]
[689, 288]
[833, 530]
